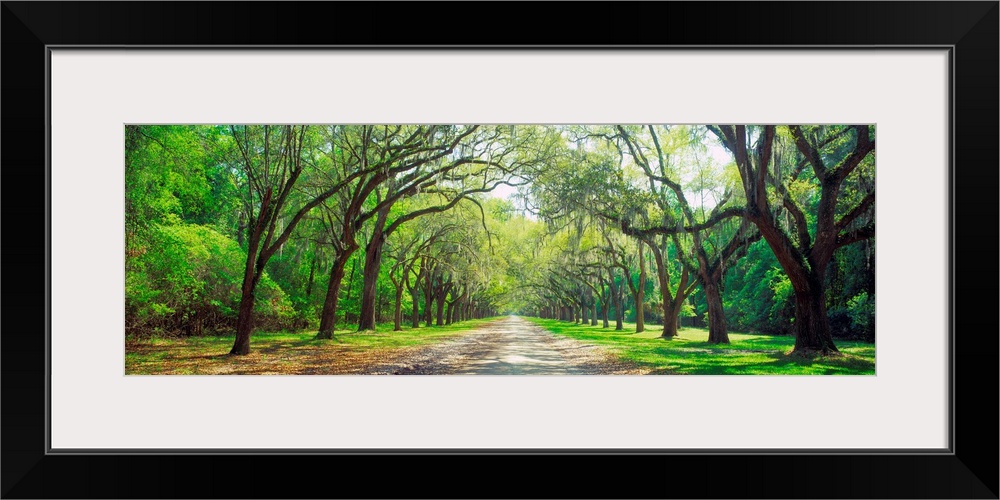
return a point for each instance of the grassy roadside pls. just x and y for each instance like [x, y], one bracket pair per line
[690, 353]
[285, 353]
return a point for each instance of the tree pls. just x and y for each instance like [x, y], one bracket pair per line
[234, 227]
[401, 155]
[478, 160]
[405, 250]
[622, 257]
[402, 254]
[708, 267]
[804, 253]
[273, 159]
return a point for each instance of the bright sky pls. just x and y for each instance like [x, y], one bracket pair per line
[719, 154]
[503, 191]
[720, 158]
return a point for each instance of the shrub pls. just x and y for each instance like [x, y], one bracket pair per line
[861, 309]
[186, 278]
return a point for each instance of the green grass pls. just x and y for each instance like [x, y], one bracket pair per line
[690, 352]
[277, 353]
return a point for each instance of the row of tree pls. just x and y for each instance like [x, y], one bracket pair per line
[200, 198]
[635, 201]
[236, 227]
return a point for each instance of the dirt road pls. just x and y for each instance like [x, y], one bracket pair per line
[507, 346]
[510, 346]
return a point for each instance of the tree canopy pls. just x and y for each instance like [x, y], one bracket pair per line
[238, 228]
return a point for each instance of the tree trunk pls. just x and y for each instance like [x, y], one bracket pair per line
[593, 313]
[428, 306]
[812, 329]
[373, 261]
[672, 311]
[670, 321]
[620, 309]
[251, 276]
[429, 310]
[312, 275]
[616, 299]
[244, 322]
[640, 296]
[373, 264]
[669, 327]
[415, 320]
[440, 309]
[350, 286]
[328, 317]
[604, 312]
[718, 332]
[398, 316]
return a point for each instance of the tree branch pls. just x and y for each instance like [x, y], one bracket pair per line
[856, 211]
[863, 146]
[855, 235]
[711, 221]
[810, 152]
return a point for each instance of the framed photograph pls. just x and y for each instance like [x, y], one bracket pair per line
[93, 90]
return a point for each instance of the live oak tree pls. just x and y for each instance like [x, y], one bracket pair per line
[406, 248]
[653, 156]
[482, 159]
[273, 160]
[478, 159]
[406, 157]
[244, 228]
[627, 257]
[804, 242]
[434, 266]
[621, 175]
[582, 186]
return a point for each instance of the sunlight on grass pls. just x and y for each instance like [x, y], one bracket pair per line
[690, 352]
[278, 353]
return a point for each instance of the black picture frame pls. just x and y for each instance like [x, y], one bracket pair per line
[969, 30]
